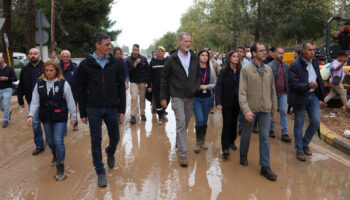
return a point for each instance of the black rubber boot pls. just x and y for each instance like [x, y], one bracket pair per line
[204, 133]
[60, 172]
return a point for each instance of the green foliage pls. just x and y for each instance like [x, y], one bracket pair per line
[168, 41]
[80, 18]
[224, 24]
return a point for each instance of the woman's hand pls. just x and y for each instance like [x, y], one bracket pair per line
[72, 122]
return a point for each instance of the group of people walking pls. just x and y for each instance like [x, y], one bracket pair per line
[247, 93]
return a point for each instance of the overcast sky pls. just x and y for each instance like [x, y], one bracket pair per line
[141, 21]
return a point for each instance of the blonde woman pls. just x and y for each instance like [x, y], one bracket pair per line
[53, 97]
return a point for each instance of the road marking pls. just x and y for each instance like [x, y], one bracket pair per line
[331, 154]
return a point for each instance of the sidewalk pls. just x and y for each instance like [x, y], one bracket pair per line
[334, 139]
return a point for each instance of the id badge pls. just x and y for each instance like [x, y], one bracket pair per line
[204, 91]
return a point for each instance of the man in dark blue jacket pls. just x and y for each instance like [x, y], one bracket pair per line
[27, 80]
[101, 97]
[306, 89]
[69, 71]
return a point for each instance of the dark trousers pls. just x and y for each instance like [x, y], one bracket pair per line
[156, 94]
[95, 116]
[229, 128]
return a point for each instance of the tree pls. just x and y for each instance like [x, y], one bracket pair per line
[168, 41]
[30, 28]
[6, 29]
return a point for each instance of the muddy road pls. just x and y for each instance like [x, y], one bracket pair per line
[147, 167]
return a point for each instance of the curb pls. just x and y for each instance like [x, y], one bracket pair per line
[334, 140]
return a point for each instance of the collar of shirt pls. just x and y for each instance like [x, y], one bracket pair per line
[185, 60]
[312, 73]
[102, 62]
[260, 69]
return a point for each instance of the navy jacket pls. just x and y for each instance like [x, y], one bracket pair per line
[70, 75]
[140, 73]
[227, 86]
[27, 79]
[101, 87]
[299, 83]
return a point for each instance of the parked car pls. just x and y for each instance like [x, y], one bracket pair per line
[77, 60]
[17, 65]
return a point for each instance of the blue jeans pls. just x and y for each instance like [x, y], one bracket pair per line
[201, 109]
[240, 119]
[264, 142]
[95, 116]
[5, 101]
[313, 110]
[283, 106]
[38, 133]
[54, 132]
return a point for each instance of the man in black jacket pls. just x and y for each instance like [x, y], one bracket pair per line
[7, 76]
[156, 67]
[27, 80]
[306, 89]
[181, 78]
[101, 97]
[139, 76]
[69, 70]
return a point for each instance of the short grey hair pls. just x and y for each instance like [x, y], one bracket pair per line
[65, 51]
[181, 35]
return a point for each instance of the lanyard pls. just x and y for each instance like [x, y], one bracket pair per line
[205, 76]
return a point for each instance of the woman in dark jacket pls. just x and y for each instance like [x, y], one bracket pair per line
[54, 97]
[226, 94]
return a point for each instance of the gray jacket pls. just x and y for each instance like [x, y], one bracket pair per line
[274, 67]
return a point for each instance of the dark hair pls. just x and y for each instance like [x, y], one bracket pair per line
[254, 47]
[117, 49]
[100, 36]
[136, 45]
[241, 47]
[278, 48]
[202, 51]
[307, 42]
[228, 57]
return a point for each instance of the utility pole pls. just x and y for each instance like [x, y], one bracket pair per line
[53, 27]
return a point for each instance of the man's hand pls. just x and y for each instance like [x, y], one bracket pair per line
[84, 120]
[249, 116]
[273, 117]
[120, 116]
[164, 103]
[149, 89]
[137, 62]
[30, 121]
[219, 107]
[3, 78]
[313, 85]
[126, 85]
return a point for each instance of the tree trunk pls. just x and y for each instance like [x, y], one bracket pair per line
[31, 17]
[7, 29]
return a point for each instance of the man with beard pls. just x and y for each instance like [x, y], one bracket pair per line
[280, 73]
[27, 80]
[257, 99]
[181, 79]
[156, 67]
